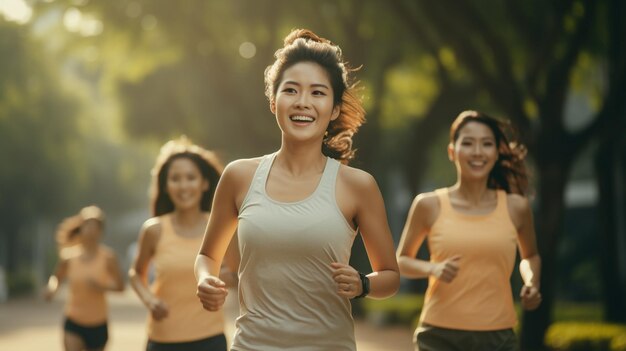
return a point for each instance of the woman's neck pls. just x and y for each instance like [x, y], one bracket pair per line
[474, 192]
[90, 249]
[187, 217]
[300, 161]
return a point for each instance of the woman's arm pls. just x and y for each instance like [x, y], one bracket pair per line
[219, 233]
[138, 274]
[422, 214]
[361, 200]
[530, 265]
[56, 279]
[374, 228]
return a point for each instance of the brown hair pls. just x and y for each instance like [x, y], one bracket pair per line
[207, 162]
[509, 172]
[302, 45]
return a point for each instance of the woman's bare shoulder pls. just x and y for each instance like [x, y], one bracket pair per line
[426, 205]
[242, 169]
[355, 178]
[152, 225]
[519, 208]
[427, 201]
[517, 203]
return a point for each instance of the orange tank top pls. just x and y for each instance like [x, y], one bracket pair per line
[480, 296]
[175, 285]
[86, 304]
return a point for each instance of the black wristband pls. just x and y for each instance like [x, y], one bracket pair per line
[365, 285]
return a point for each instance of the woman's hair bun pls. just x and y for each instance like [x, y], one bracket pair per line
[306, 35]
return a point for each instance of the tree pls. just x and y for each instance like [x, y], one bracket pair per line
[37, 134]
[610, 168]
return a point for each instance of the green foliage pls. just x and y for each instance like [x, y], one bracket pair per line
[56, 153]
[577, 311]
[402, 308]
[409, 91]
[37, 128]
[586, 336]
[21, 283]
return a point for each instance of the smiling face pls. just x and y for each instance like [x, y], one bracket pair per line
[304, 102]
[185, 184]
[474, 152]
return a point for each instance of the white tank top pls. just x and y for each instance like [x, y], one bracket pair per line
[287, 295]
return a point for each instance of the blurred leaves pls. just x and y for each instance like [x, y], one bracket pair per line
[38, 128]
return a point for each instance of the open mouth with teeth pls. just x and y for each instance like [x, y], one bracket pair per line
[477, 163]
[302, 119]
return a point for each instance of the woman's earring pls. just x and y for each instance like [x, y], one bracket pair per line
[326, 134]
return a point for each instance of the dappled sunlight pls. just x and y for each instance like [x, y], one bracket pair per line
[16, 11]
[247, 50]
[86, 25]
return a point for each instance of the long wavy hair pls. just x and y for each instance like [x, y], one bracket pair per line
[509, 172]
[302, 45]
[207, 162]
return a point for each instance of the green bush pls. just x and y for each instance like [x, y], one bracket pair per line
[578, 311]
[577, 326]
[20, 283]
[574, 336]
[402, 308]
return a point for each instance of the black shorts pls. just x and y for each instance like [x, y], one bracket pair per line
[431, 338]
[94, 337]
[212, 343]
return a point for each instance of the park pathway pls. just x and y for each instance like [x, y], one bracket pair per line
[35, 325]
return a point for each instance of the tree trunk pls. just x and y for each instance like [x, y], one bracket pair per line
[610, 194]
[550, 214]
[11, 240]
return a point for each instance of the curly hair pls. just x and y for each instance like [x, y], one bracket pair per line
[302, 45]
[207, 162]
[509, 172]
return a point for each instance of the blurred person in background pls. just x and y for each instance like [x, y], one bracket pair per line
[183, 183]
[297, 211]
[473, 229]
[91, 269]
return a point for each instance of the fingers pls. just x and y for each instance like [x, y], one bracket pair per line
[448, 269]
[159, 313]
[455, 258]
[347, 280]
[159, 310]
[530, 297]
[214, 303]
[212, 293]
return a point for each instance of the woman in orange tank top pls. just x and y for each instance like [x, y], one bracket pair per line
[183, 184]
[91, 269]
[473, 230]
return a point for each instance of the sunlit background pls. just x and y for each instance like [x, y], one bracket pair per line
[89, 90]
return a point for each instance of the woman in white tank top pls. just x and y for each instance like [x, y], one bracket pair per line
[297, 212]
